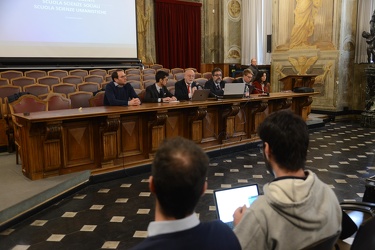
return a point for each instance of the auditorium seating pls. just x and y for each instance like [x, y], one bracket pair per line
[228, 79]
[136, 84]
[179, 76]
[22, 81]
[148, 77]
[156, 66]
[64, 88]
[149, 71]
[72, 79]
[4, 81]
[79, 72]
[58, 72]
[97, 100]
[80, 99]
[58, 101]
[98, 72]
[174, 71]
[35, 73]
[133, 72]
[148, 83]
[94, 78]
[9, 74]
[88, 86]
[36, 89]
[49, 80]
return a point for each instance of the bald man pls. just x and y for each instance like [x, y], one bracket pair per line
[185, 88]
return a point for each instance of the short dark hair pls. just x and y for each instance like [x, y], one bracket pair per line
[115, 74]
[160, 75]
[179, 173]
[288, 138]
[216, 70]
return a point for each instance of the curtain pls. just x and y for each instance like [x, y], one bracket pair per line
[178, 33]
[256, 25]
[364, 13]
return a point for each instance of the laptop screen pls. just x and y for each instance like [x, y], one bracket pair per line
[234, 90]
[229, 199]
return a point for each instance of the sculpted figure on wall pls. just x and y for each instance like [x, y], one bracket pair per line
[303, 28]
[302, 64]
[321, 78]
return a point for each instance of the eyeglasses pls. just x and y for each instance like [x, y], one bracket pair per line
[218, 75]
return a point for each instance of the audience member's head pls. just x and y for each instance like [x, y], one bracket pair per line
[288, 139]
[217, 75]
[253, 61]
[178, 176]
[160, 75]
[189, 76]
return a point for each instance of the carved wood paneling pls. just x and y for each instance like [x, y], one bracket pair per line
[78, 144]
[52, 146]
[130, 142]
[108, 140]
[196, 123]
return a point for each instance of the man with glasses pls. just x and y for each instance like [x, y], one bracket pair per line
[185, 88]
[119, 92]
[247, 79]
[216, 84]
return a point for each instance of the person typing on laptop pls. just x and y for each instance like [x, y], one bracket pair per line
[178, 180]
[158, 92]
[297, 209]
[247, 78]
[216, 85]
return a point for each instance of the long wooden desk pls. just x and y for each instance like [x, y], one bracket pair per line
[105, 139]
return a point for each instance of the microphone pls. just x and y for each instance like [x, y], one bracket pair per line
[264, 93]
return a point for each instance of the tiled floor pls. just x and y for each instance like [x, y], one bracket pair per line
[115, 214]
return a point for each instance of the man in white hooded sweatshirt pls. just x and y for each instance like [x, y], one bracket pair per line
[297, 209]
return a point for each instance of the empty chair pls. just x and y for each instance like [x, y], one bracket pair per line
[148, 71]
[133, 77]
[177, 70]
[198, 75]
[148, 77]
[65, 88]
[49, 80]
[98, 72]
[156, 66]
[133, 71]
[4, 81]
[80, 99]
[97, 100]
[37, 89]
[193, 69]
[324, 244]
[171, 82]
[10, 74]
[58, 72]
[104, 84]
[228, 79]
[207, 75]
[170, 76]
[179, 76]
[201, 81]
[72, 79]
[24, 104]
[8, 90]
[148, 83]
[58, 101]
[108, 78]
[110, 71]
[22, 81]
[136, 84]
[94, 78]
[88, 86]
[35, 73]
[79, 72]
[165, 70]
[364, 239]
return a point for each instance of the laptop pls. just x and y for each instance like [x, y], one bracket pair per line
[234, 90]
[229, 199]
[200, 95]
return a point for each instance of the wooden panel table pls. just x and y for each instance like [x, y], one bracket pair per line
[106, 139]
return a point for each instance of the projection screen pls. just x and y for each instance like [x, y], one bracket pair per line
[71, 29]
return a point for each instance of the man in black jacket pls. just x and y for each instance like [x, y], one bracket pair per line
[185, 88]
[216, 85]
[158, 92]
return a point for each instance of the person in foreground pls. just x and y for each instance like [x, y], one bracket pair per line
[297, 209]
[178, 181]
[119, 92]
[185, 88]
[158, 92]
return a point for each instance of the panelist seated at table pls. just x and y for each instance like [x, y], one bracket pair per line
[158, 92]
[185, 88]
[216, 84]
[260, 83]
[119, 92]
[247, 78]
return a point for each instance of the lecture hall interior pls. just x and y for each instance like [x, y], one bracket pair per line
[74, 173]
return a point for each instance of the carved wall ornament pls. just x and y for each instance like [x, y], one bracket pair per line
[302, 64]
[234, 53]
[321, 78]
[279, 69]
[234, 9]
